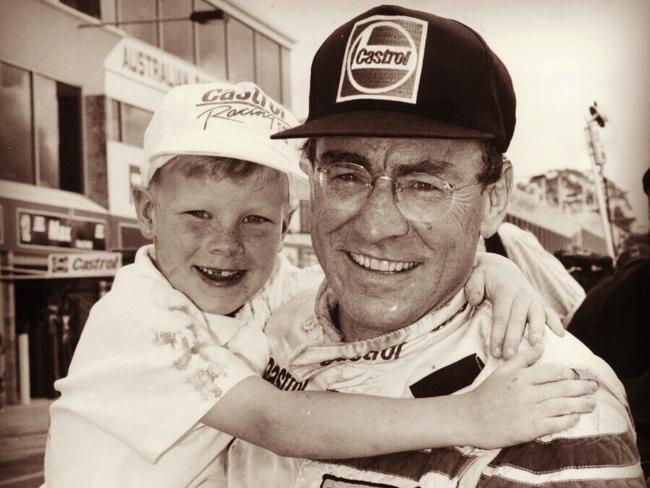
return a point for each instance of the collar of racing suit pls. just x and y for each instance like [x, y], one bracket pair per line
[329, 345]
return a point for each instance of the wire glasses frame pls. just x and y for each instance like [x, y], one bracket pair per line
[420, 196]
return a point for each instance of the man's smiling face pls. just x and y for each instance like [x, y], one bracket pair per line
[385, 270]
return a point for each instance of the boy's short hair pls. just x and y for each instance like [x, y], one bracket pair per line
[215, 167]
[197, 165]
[224, 120]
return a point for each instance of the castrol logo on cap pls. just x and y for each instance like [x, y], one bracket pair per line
[383, 59]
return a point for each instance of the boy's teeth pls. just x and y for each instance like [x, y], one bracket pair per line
[382, 264]
[218, 273]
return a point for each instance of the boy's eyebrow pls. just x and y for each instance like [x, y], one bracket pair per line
[433, 166]
[337, 156]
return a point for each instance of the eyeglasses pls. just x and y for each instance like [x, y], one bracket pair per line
[420, 197]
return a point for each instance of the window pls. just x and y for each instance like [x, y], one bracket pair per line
[127, 123]
[15, 125]
[226, 48]
[267, 66]
[240, 51]
[176, 36]
[57, 117]
[46, 117]
[134, 123]
[70, 138]
[286, 76]
[128, 10]
[114, 123]
[88, 7]
[40, 130]
[211, 44]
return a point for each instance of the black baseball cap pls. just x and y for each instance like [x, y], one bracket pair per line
[396, 72]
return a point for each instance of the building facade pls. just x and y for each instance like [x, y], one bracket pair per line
[573, 193]
[75, 98]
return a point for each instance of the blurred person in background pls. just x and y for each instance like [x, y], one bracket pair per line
[546, 273]
[613, 321]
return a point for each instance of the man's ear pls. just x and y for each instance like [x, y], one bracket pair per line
[144, 208]
[496, 197]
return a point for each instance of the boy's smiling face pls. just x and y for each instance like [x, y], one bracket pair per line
[216, 238]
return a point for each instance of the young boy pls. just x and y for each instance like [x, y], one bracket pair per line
[168, 366]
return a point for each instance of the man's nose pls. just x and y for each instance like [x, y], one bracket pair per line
[225, 240]
[379, 218]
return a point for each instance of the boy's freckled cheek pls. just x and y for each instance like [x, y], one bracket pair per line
[197, 230]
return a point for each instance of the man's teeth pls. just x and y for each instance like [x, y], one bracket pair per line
[218, 273]
[382, 264]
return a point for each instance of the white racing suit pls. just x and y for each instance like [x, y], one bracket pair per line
[442, 353]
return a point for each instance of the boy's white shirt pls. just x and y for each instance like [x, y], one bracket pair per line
[148, 367]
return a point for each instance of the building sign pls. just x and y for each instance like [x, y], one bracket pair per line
[51, 230]
[83, 264]
[139, 61]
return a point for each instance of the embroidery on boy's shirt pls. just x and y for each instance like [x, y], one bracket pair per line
[193, 358]
[186, 341]
[204, 381]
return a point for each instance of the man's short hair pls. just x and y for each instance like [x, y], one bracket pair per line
[492, 160]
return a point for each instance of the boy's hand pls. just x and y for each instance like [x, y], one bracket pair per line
[514, 303]
[519, 402]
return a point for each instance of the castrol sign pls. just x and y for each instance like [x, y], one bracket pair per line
[383, 59]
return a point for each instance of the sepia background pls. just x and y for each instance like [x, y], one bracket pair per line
[78, 85]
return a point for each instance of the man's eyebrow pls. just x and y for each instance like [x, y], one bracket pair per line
[338, 156]
[434, 166]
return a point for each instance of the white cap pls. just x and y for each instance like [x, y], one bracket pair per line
[220, 119]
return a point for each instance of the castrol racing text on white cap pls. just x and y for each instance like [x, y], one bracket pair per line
[222, 120]
[383, 59]
[237, 103]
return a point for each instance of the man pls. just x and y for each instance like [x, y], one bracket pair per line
[409, 116]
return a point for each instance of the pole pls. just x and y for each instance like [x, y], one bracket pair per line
[597, 162]
[23, 368]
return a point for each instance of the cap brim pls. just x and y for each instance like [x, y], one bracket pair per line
[380, 123]
[229, 144]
